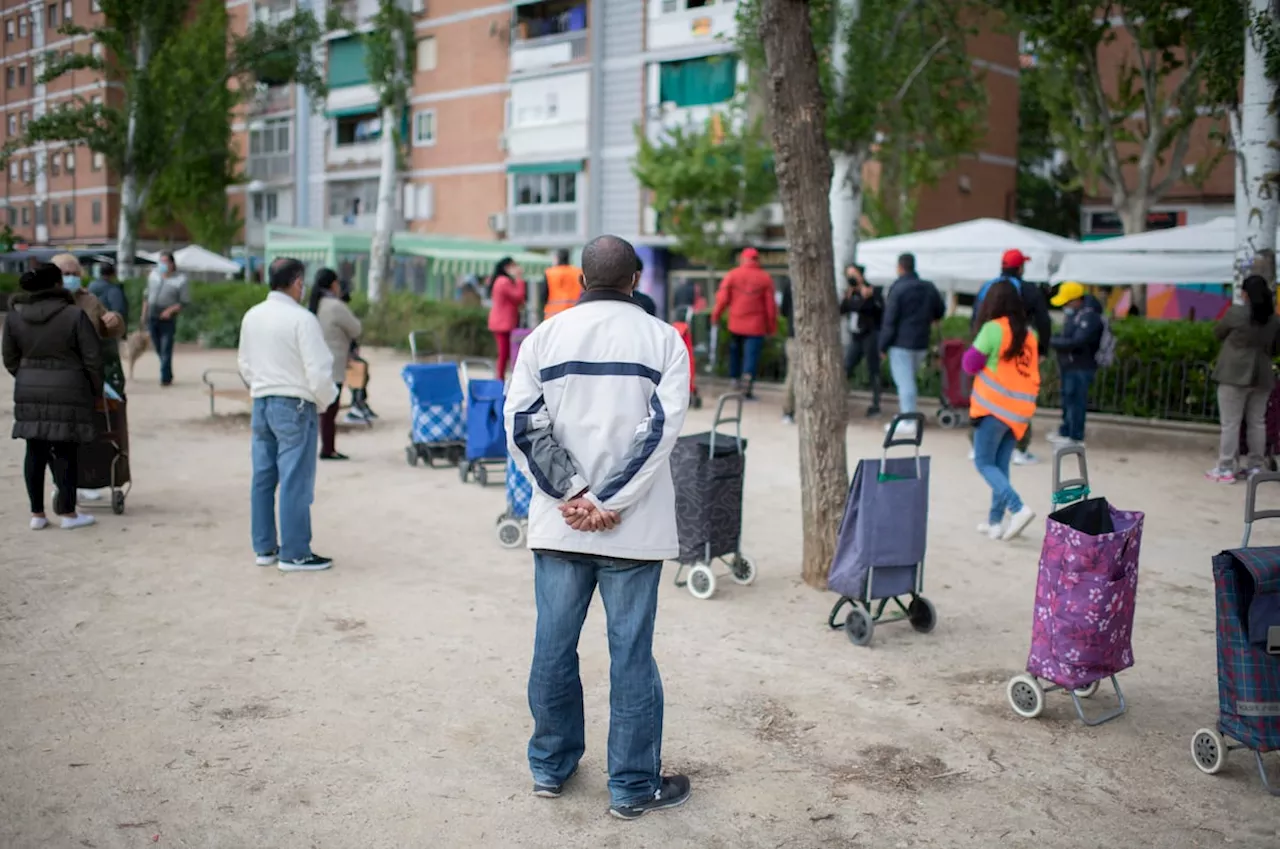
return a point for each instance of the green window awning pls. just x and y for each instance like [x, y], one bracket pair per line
[571, 166]
[348, 111]
[698, 82]
[347, 62]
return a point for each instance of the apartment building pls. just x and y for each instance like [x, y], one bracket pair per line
[51, 193]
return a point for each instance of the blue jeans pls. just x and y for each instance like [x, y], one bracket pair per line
[284, 454]
[993, 444]
[903, 365]
[1075, 402]
[162, 333]
[744, 355]
[563, 587]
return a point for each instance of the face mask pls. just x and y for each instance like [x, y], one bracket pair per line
[70, 282]
[1070, 311]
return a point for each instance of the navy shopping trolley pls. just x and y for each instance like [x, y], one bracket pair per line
[486, 434]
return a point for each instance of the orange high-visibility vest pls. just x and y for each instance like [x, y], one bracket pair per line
[1009, 391]
[563, 289]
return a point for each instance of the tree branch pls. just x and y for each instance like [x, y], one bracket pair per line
[898, 24]
[919, 68]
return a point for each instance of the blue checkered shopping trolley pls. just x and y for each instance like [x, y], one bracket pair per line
[437, 431]
[514, 522]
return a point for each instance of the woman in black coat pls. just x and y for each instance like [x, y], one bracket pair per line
[53, 351]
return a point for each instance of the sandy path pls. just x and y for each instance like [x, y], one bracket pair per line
[154, 682]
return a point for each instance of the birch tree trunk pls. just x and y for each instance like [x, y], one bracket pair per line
[804, 168]
[130, 196]
[845, 199]
[1257, 137]
[384, 219]
[1132, 212]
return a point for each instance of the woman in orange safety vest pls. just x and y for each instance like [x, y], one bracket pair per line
[1004, 362]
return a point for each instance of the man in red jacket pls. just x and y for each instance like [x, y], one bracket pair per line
[747, 293]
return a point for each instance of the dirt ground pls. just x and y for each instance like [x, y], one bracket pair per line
[156, 688]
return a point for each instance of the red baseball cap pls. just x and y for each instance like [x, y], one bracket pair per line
[750, 253]
[1014, 259]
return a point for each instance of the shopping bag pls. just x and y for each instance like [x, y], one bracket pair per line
[885, 527]
[1245, 581]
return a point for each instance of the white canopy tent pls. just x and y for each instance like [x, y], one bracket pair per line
[198, 260]
[961, 257]
[1198, 253]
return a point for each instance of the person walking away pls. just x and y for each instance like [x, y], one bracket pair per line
[1249, 334]
[168, 293]
[864, 306]
[507, 292]
[747, 293]
[787, 309]
[284, 359]
[1005, 363]
[602, 516]
[563, 286]
[341, 329]
[911, 308]
[1013, 264]
[1077, 348]
[52, 350]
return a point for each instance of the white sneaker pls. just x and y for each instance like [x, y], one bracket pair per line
[788, 420]
[1024, 458]
[972, 454]
[39, 523]
[906, 430]
[1018, 522]
[994, 531]
[79, 520]
[1068, 443]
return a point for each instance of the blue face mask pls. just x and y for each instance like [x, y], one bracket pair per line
[70, 282]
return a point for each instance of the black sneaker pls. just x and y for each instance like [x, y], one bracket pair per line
[873, 411]
[551, 791]
[336, 455]
[673, 793]
[310, 563]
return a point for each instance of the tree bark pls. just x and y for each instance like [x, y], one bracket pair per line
[384, 219]
[804, 181]
[1133, 220]
[1257, 133]
[130, 198]
[846, 178]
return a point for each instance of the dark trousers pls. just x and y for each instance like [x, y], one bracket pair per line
[864, 347]
[329, 425]
[1075, 402]
[163, 331]
[61, 458]
[744, 355]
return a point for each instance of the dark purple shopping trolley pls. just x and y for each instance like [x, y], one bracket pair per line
[1246, 585]
[1082, 628]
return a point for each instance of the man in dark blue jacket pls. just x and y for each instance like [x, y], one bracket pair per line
[863, 306]
[1077, 348]
[910, 310]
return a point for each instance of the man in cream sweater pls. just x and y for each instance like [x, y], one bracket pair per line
[596, 402]
[284, 359]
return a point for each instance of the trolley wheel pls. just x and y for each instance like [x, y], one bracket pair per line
[456, 455]
[464, 471]
[1026, 696]
[742, 570]
[702, 581]
[859, 626]
[1088, 691]
[510, 532]
[921, 615]
[949, 419]
[411, 455]
[1209, 751]
[117, 502]
[482, 475]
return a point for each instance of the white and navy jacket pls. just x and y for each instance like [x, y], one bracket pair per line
[597, 399]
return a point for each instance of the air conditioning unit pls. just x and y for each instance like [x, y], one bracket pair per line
[498, 223]
[419, 7]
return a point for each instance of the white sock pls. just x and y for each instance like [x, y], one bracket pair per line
[79, 520]
[39, 523]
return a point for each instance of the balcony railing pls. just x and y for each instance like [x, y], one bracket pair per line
[351, 154]
[543, 221]
[273, 166]
[662, 118]
[276, 98]
[548, 51]
[364, 221]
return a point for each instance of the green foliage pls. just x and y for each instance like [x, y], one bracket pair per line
[391, 62]
[1049, 194]
[8, 239]
[910, 99]
[702, 179]
[454, 328]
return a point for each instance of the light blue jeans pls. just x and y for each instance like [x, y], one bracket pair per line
[904, 363]
[563, 587]
[993, 444]
[284, 455]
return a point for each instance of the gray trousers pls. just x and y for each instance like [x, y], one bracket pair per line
[1238, 404]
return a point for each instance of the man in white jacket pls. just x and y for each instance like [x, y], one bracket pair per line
[596, 402]
[285, 361]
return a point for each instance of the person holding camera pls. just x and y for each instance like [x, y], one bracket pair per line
[863, 307]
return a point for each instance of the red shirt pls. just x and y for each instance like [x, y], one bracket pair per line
[747, 293]
[508, 297]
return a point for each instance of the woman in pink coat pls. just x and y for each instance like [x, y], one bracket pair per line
[507, 291]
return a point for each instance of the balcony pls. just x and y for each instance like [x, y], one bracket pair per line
[358, 12]
[267, 99]
[355, 154]
[546, 221]
[274, 166]
[363, 221]
[662, 118]
[548, 51]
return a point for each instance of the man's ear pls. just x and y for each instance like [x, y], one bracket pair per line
[635, 281]
[582, 280]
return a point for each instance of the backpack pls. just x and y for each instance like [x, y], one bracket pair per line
[1105, 356]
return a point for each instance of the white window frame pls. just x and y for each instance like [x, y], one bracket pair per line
[96, 6]
[24, 25]
[679, 7]
[25, 120]
[99, 161]
[420, 140]
[13, 125]
[22, 74]
[26, 215]
[265, 204]
[96, 50]
[69, 162]
[68, 11]
[13, 169]
[54, 168]
[431, 48]
[10, 30]
[270, 129]
[419, 202]
[52, 15]
[513, 194]
[26, 170]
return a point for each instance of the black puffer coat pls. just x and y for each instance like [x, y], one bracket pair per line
[52, 350]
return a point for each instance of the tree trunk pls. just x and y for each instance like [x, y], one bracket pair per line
[1257, 139]
[804, 182]
[384, 220]
[845, 200]
[1133, 219]
[130, 197]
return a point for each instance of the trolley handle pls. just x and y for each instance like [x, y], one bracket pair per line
[1251, 511]
[722, 419]
[1077, 486]
[415, 352]
[891, 438]
[467, 363]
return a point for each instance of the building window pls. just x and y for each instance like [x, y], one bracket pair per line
[8, 77]
[96, 6]
[698, 82]
[13, 125]
[358, 129]
[13, 216]
[69, 161]
[40, 215]
[672, 6]
[99, 162]
[265, 207]
[545, 189]
[26, 215]
[13, 169]
[96, 50]
[57, 215]
[24, 25]
[419, 202]
[53, 15]
[8, 30]
[22, 74]
[427, 54]
[69, 214]
[424, 128]
[271, 137]
[67, 7]
[54, 168]
[26, 170]
[26, 119]
[95, 212]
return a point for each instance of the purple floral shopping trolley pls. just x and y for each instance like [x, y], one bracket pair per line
[1082, 629]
